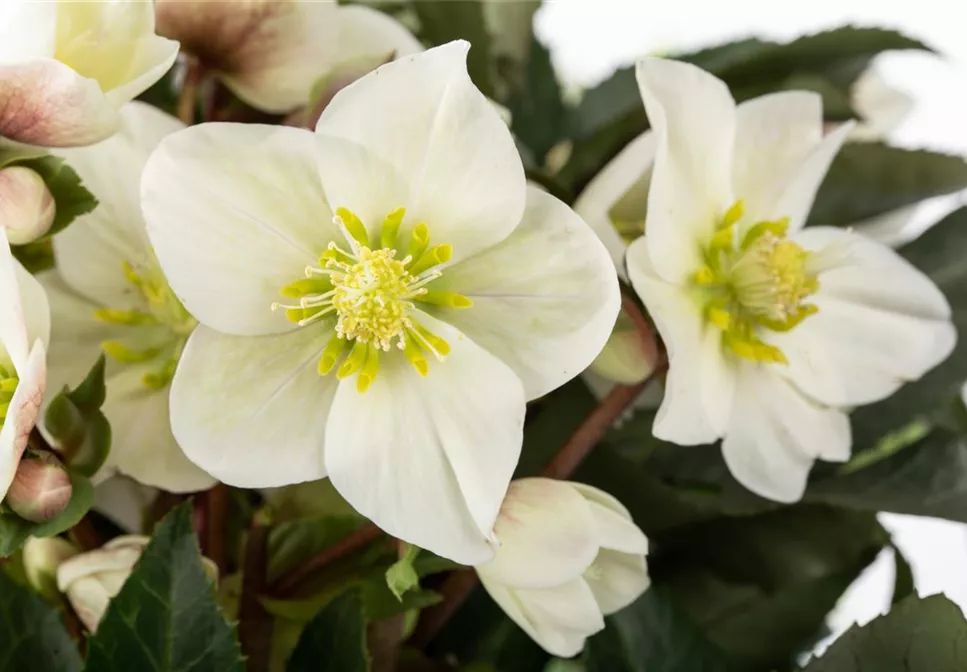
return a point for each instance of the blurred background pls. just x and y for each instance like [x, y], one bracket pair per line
[923, 101]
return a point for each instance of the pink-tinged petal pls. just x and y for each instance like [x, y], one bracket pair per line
[26, 205]
[44, 102]
[22, 414]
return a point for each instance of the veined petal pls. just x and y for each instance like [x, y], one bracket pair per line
[544, 300]
[142, 445]
[774, 135]
[44, 102]
[797, 198]
[13, 321]
[546, 535]
[26, 30]
[261, 421]
[559, 619]
[91, 252]
[699, 388]
[617, 579]
[254, 186]
[612, 521]
[631, 168]
[693, 116]
[22, 414]
[364, 31]
[423, 115]
[776, 433]
[429, 459]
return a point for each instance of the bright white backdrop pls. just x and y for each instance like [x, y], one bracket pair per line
[590, 38]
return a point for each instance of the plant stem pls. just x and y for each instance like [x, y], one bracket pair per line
[346, 546]
[254, 624]
[215, 527]
[188, 97]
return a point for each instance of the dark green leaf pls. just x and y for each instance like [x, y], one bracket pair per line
[335, 640]
[166, 618]
[918, 635]
[70, 196]
[869, 179]
[14, 530]
[651, 635]
[903, 586]
[538, 116]
[442, 21]
[32, 633]
[36, 256]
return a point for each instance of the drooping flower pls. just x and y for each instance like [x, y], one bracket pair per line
[773, 331]
[67, 67]
[24, 329]
[569, 555]
[382, 325]
[108, 294]
[270, 53]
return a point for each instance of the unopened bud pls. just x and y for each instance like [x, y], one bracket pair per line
[629, 356]
[41, 558]
[27, 207]
[41, 489]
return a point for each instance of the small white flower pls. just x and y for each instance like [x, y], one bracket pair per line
[272, 52]
[24, 329]
[67, 67]
[430, 293]
[773, 331]
[109, 293]
[569, 555]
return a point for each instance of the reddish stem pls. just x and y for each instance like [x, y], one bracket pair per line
[346, 546]
[254, 624]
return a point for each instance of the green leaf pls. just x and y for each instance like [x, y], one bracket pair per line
[335, 640]
[70, 196]
[401, 577]
[870, 179]
[32, 633]
[651, 635]
[539, 118]
[918, 635]
[14, 530]
[89, 396]
[166, 618]
[903, 585]
[79, 429]
[442, 21]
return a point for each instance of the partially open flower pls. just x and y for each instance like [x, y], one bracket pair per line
[569, 555]
[27, 207]
[270, 53]
[41, 489]
[67, 67]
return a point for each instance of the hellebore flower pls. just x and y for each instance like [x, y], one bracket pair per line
[109, 294]
[377, 300]
[67, 67]
[569, 555]
[773, 331]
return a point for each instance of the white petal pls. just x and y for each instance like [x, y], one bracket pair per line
[617, 579]
[546, 534]
[612, 521]
[252, 411]
[22, 414]
[797, 198]
[774, 135]
[693, 117]
[120, 558]
[423, 115]
[700, 384]
[631, 168]
[90, 601]
[142, 445]
[26, 30]
[24, 312]
[559, 619]
[441, 448]
[364, 31]
[46, 103]
[881, 323]
[235, 213]
[776, 433]
[545, 299]
[152, 58]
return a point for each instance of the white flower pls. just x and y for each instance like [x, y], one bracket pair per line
[67, 67]
[271, 53]
[24, 328]
[773, 331]
[109, 293]
[27, 207]
[569, 555]
[430, 294]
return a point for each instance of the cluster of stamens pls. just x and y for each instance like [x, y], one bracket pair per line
[159, 333]
[756, 280]
[372, 296]
[8, 385]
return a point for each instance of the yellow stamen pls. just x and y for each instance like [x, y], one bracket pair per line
[354, 226]
[391, 227]
[436, 255]
[331, 354]
[368, 373]
[122, 353]
[441, 298]
[355, 361]
[419, 239]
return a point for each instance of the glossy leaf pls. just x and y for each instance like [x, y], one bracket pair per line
[32, 633]
[335, 640]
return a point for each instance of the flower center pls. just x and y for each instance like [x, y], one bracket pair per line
[8, 385]
[759, 280]
[373, 296]
[157, 334]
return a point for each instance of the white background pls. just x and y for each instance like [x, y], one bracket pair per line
[590, 38]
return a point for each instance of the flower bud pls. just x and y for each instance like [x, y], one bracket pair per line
[629, 356]
[41, 488]
[41, 558]
[569, 555]
[27, 207]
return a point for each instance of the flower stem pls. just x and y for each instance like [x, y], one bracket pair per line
[188, 98]
[346, 546]
[254, 624]
[215, 527]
